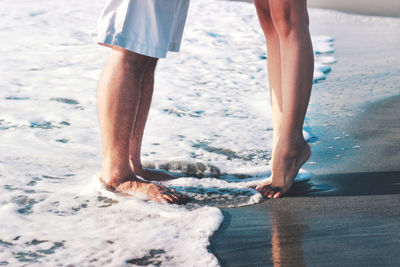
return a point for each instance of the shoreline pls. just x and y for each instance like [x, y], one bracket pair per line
[383, 8]
[354, 189]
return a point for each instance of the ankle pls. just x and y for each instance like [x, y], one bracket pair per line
[293, 134]
[290, 148]
[291, 141]
[134, 160]
[115, 173]
[136, 164]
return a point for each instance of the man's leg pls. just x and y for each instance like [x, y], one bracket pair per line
[119, 92]
[147, 88]
[290, 19]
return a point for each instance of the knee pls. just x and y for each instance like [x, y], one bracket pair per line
[288, 21]
[264, 16]
[151, 67]
[133, 63]
[261, 6]
[149, 72]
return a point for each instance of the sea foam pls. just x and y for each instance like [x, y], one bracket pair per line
[210, 124]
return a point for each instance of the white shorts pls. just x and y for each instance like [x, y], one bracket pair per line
[147, 27]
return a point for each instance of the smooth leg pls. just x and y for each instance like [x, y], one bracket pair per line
[274, 66]
[291, 151]
[146, 95]
[119, 92]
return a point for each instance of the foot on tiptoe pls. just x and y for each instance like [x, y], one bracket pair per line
[288, 158]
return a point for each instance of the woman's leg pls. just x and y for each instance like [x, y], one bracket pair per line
[274, 65]
[290, 19]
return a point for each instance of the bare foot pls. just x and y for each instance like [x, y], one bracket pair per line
[153, 174]
[286, 163]
[148, 174]
[132, 186]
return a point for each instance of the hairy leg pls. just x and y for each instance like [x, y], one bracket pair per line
[118, 100]
[147, 88]
[274, 65]
[290, 19]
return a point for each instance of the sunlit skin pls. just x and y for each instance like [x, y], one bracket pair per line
[290, 69]
[124, 96]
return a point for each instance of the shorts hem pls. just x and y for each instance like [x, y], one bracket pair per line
[135, 46]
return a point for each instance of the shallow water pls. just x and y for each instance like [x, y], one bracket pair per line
[213, 93]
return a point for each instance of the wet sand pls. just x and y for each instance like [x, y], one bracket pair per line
[364, 7]
[312, 231]
[348, 214]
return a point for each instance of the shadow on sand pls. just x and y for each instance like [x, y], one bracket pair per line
[352, 217]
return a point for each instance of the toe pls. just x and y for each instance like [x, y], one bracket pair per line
[265, 190]
[169, 198]
[263, 187]
[278, 194]
[175, 197]
[173, 193]
[271, 194]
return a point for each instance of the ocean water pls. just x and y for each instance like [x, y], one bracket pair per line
[210, 119]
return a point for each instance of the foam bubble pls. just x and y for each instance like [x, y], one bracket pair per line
[210, 119]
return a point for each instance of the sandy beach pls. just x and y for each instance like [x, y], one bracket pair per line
[376, 8]
[389, 8]
[348, 214]
[210, 125]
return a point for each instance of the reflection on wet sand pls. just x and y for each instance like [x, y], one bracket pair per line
[330, 217]
[286, 240]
